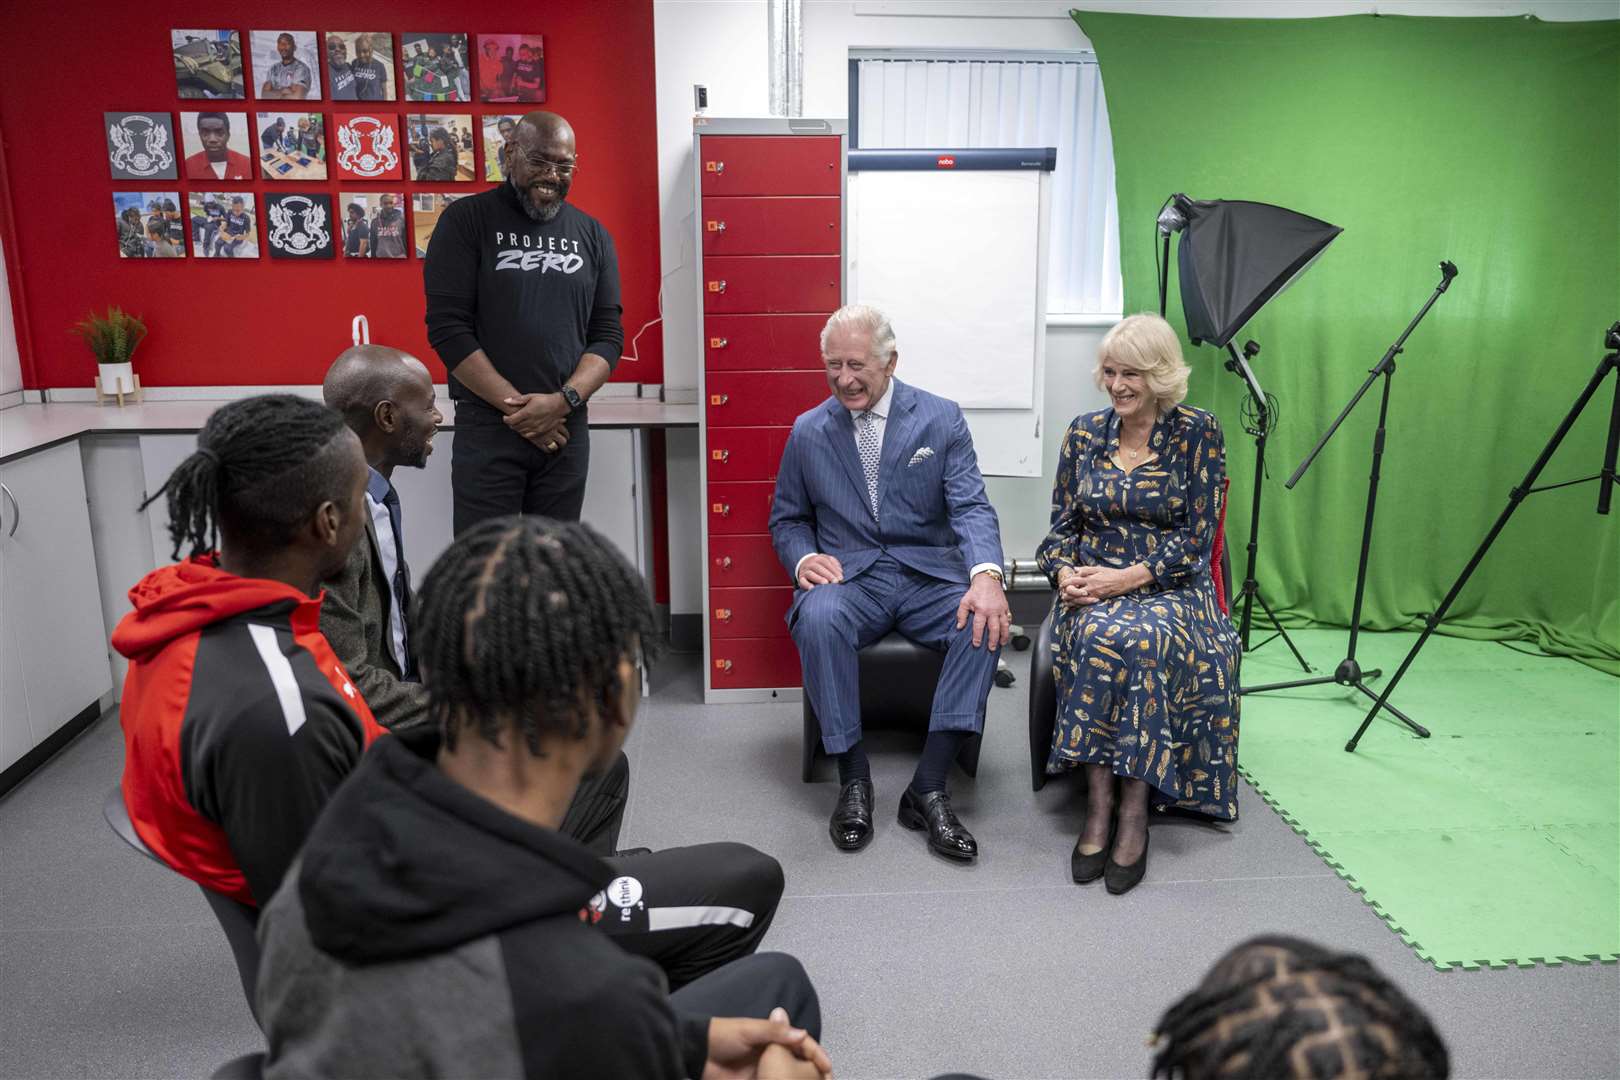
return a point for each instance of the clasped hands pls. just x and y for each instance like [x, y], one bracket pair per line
[1082, 586]
[742, 1049]
[540, 418]
[985, 600]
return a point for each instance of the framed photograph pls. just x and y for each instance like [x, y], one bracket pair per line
[360, 65]
[373, 224]
[208, 63]
[441, 147]
[216, 145]
[149, 225]
[286, 65]
[511, 67]
[292, 146]
[367, 146]
[426, 207]
[223, 225]
[141, 146]
[299, 225]
[435, 67]
[497, 133]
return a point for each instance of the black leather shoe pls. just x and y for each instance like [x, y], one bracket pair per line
[1122, 879]
[1086, 868]
[851, 824]
[946, 834]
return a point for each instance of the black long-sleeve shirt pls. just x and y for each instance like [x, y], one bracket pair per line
[535, 297]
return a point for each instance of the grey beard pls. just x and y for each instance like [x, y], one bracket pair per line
[535, 213]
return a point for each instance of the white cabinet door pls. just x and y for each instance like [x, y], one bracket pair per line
[159, 456]
[53, 602]
[15, 737]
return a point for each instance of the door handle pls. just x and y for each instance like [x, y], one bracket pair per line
[16, 510]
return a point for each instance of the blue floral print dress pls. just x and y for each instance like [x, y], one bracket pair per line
[1145, 681]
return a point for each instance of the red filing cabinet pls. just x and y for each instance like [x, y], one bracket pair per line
[770, 233]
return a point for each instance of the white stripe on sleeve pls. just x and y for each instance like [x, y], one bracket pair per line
[281, 675]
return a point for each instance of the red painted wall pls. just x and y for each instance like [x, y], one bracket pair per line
[264, 321]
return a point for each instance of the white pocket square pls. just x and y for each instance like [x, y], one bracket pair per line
[921, 455]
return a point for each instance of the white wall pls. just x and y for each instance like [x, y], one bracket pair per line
[723, 44]
[10, 363]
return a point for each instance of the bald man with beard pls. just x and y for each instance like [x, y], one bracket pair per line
[523, 308]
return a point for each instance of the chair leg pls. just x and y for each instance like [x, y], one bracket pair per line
[812, 744]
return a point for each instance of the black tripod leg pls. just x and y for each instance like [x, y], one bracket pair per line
[1282, 633]
[1381, 701]
[1417, 728]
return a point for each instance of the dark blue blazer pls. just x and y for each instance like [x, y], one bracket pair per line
[933, 515]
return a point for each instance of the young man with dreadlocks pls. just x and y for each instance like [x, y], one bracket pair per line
[438, 922]
[719, 899]
[239, 721]
[1279, 1007]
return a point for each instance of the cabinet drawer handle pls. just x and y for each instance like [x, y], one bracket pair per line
[718, 286]
[723, 509]
[723, 562]
[719, 399]
[722, 614]
[722, 665]
[714, 166]
[718, 343]
[16, 510]
[715, 226]
[721, 456]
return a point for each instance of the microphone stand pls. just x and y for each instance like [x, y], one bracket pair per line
[1606, 481]
[1349, 672]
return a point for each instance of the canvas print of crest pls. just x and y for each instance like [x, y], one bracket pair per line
[435, 67]
[441, 146]
[299, 225]
[149, 225]
[497, 133]
[286, 64]
[425, 210]
[141, 146]
[208, 63]
[366, 146]
[292, 146]
[511, 67]
[360, 65]
[223, 225]
[373, 225]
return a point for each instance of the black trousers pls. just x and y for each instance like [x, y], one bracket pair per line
[690, 910]
[753, 987]
[494, 471]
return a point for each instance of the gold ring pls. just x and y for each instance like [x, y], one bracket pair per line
[551, 446]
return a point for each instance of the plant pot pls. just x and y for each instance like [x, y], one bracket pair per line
[117, 378]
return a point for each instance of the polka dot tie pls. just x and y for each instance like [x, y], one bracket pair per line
[866, 440]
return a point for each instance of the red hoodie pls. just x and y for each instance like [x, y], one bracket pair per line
[239, 722]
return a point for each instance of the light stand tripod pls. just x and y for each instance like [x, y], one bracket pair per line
[1349, 672]
[1260, 427]
[1606, 481]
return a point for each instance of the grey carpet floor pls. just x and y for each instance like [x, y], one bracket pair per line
[112, 967]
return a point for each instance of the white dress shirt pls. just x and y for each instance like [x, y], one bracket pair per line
[880, 420]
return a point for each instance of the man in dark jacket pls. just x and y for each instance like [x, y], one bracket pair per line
[387, 398]
[439, 923]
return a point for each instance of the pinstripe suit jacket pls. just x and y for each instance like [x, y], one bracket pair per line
[933, 515]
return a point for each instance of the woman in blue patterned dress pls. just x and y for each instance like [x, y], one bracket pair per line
[1143, 656]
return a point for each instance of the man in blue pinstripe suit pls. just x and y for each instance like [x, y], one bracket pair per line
[881, 518]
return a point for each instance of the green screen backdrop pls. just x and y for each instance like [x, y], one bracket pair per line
[1494, 143]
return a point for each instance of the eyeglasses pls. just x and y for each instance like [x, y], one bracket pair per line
[563, 169]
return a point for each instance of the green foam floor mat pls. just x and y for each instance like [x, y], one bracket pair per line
[1497, 841]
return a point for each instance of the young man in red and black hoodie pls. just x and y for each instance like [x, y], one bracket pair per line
[239, 721]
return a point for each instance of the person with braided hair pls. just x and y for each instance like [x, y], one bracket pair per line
[387, 398]
[440, 922]
[1280, 1007]
[239, 721]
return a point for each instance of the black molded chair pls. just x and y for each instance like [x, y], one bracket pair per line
[246, 1067]
[239, 921]
[898, 677]
[1043, 687]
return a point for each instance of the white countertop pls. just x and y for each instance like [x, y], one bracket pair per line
[25, 428]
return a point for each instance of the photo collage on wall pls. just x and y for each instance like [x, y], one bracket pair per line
[250, 137]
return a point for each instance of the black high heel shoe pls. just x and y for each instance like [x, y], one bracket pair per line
[1122, 879]
[1087, 868]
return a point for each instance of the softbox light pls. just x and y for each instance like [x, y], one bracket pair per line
[1235, 256]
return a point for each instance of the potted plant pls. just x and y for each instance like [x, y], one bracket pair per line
[113, 338]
